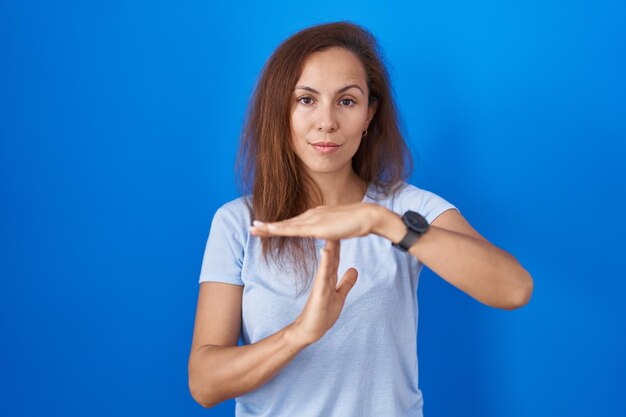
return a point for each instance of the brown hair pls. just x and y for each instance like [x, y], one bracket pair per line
[267, 166]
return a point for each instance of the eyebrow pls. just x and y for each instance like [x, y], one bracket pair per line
[341, 90]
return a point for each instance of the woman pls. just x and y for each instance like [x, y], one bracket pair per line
[326, 163]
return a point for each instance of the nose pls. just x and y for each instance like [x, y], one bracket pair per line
[326, 119]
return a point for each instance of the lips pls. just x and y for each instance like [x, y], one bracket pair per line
[325, 147]
[324, 144]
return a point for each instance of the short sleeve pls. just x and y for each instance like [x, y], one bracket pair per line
[426, 203]
[223, 254]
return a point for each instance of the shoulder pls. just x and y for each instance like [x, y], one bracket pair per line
[236, 207]
[400, 195]
[235, 214]
[410, 193]
[405, 196]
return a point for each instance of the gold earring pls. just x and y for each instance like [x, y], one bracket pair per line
[364, 133]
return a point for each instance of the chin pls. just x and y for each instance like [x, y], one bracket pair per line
[325, 168]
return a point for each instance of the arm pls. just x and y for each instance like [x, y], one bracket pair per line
[461, 256]
[451, 248]
[218, 368]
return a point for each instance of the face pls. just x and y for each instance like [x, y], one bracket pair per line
[330, 111]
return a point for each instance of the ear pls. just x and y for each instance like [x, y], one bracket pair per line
[371, 111]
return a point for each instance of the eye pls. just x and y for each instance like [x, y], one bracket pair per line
[348, 102]
[306, 100]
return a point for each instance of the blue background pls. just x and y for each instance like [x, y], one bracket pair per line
[119, 124]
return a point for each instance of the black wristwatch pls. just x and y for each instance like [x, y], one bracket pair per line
[416, 226]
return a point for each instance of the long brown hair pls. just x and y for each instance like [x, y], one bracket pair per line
[267, 166]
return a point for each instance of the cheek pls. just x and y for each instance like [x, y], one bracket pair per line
[298, 122]
[355, 120]
[352, 125]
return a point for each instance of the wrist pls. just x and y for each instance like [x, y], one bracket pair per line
[295, 336]
[388, 224]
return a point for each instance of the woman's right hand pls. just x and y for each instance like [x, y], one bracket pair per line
[326, 299]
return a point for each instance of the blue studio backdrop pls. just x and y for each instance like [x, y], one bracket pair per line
[119, 126]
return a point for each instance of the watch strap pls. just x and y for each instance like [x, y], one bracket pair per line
[407, 241]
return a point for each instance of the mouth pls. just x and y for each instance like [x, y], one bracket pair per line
[325, 147]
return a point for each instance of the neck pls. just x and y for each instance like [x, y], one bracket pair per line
[340, 190]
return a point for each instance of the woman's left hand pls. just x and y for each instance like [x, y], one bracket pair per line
[324, 222]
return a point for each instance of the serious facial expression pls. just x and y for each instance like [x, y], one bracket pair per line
[330, 111]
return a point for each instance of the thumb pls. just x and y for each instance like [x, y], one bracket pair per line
[347, 282]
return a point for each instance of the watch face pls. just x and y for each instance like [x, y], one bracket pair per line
[415, 221]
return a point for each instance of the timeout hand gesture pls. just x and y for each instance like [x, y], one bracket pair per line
[331, 223]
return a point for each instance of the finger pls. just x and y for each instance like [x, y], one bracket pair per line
[276, 229]
[260, 231]
[347, 282]
[333, 248]
[328, 278]
[302, 229]
[332, 245]
[294, 220]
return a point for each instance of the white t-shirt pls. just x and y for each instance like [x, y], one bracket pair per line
[366, 364]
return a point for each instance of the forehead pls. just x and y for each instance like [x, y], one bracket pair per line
[332, 66]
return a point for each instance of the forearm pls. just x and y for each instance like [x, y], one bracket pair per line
[478, 268]
[218, 373]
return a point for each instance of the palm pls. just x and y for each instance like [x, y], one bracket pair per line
[326, 301]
